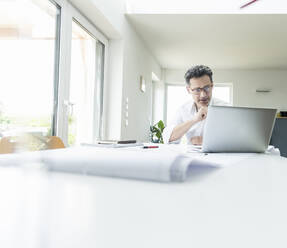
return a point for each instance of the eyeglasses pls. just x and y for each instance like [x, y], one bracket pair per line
[197, 91]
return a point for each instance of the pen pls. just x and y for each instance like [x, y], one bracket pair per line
[245, 5]
[146, 147]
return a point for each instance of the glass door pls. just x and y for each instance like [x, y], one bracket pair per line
[29, 38]
[85, 90]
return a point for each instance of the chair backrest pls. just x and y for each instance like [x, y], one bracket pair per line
[7, 145]
[54, 142]
[10, 144]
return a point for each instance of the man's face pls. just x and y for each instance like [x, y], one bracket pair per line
[201, 90]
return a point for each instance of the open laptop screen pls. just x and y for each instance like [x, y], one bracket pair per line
[238, 129]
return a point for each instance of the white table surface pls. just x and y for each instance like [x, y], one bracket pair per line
[242, 205]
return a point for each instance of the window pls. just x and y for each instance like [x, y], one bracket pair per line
[28, 89]
[41, 92]
[224, 92]
[86, 86]
[177, 95]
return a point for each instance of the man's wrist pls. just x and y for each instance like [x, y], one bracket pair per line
[194, 120]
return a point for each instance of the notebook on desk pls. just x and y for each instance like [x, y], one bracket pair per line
[115, 144]
[108, 142]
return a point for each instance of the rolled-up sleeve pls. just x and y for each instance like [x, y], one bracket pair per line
[169, 128]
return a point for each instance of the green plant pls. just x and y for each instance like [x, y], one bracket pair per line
[156, 132]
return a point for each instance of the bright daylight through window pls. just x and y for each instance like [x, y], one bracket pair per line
[177, 96]
[27, 47]
[85, 104]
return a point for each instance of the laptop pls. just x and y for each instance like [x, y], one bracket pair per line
[238, 129]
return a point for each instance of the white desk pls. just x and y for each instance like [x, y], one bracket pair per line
[244, 205]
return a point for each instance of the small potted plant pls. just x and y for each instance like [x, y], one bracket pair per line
[156, 132]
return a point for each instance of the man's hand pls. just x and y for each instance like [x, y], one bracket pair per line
[182, 128]
[196, 140]
[201, 114]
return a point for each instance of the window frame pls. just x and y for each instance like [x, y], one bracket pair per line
[56, 69]
[68, 14]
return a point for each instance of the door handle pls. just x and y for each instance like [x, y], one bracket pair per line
[70, 107]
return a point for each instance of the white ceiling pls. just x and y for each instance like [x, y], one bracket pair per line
[222, 41]
[205, 6]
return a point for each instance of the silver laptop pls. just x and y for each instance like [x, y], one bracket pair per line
[237, 129]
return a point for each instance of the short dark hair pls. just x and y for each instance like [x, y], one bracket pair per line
[198, 71]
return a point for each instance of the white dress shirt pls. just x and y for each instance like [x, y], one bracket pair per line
[185, 113]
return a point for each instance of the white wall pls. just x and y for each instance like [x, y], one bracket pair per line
[137, 61]
[128, 60]
[245, 83]
[113, 91]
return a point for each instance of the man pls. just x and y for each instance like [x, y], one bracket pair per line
[190, 117]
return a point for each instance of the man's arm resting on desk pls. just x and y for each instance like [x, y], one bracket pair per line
[182, 128]
[196, 140]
